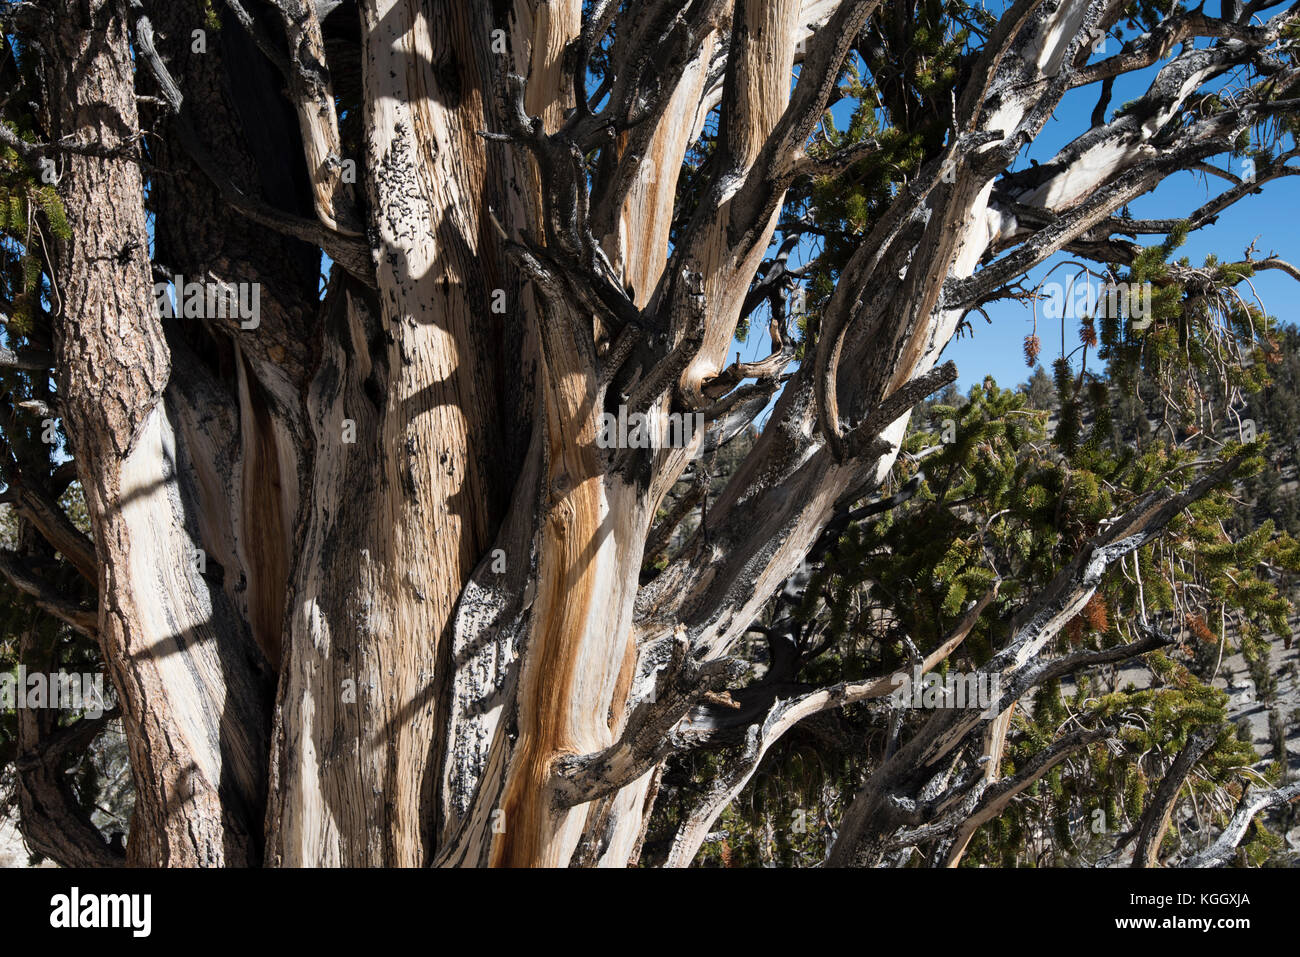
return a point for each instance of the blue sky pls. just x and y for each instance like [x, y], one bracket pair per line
[1271, 219]
[997, 349]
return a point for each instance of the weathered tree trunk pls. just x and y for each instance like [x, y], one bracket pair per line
[370, 588]
[191, 682]
[424, 373]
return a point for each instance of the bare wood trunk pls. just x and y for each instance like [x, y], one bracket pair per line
[398, 490]
[589, 553]
[416, 375]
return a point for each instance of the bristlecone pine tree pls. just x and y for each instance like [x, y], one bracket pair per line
[372, 586]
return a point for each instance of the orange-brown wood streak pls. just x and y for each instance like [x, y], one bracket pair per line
[565, 602]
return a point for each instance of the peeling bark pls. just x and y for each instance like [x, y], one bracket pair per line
[187, 677]
[419, 634]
